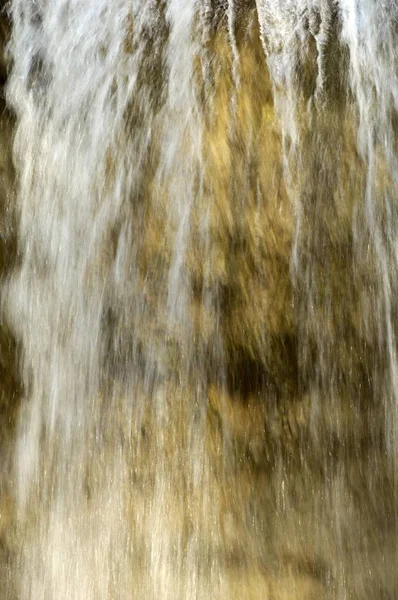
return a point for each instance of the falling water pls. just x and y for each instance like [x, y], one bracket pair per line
[203, 299]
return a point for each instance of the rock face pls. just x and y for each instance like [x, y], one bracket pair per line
[10, 386]
[288, 329]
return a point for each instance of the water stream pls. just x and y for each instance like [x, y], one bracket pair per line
[205, 299]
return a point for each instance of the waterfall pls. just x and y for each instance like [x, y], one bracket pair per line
[203, 299]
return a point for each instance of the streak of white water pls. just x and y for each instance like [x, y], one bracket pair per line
[232, 39]
[79, 171]
[369, 31]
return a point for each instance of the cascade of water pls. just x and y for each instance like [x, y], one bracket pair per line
[78, 78]
[204, 298]
[320, 108]
[370, 35]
